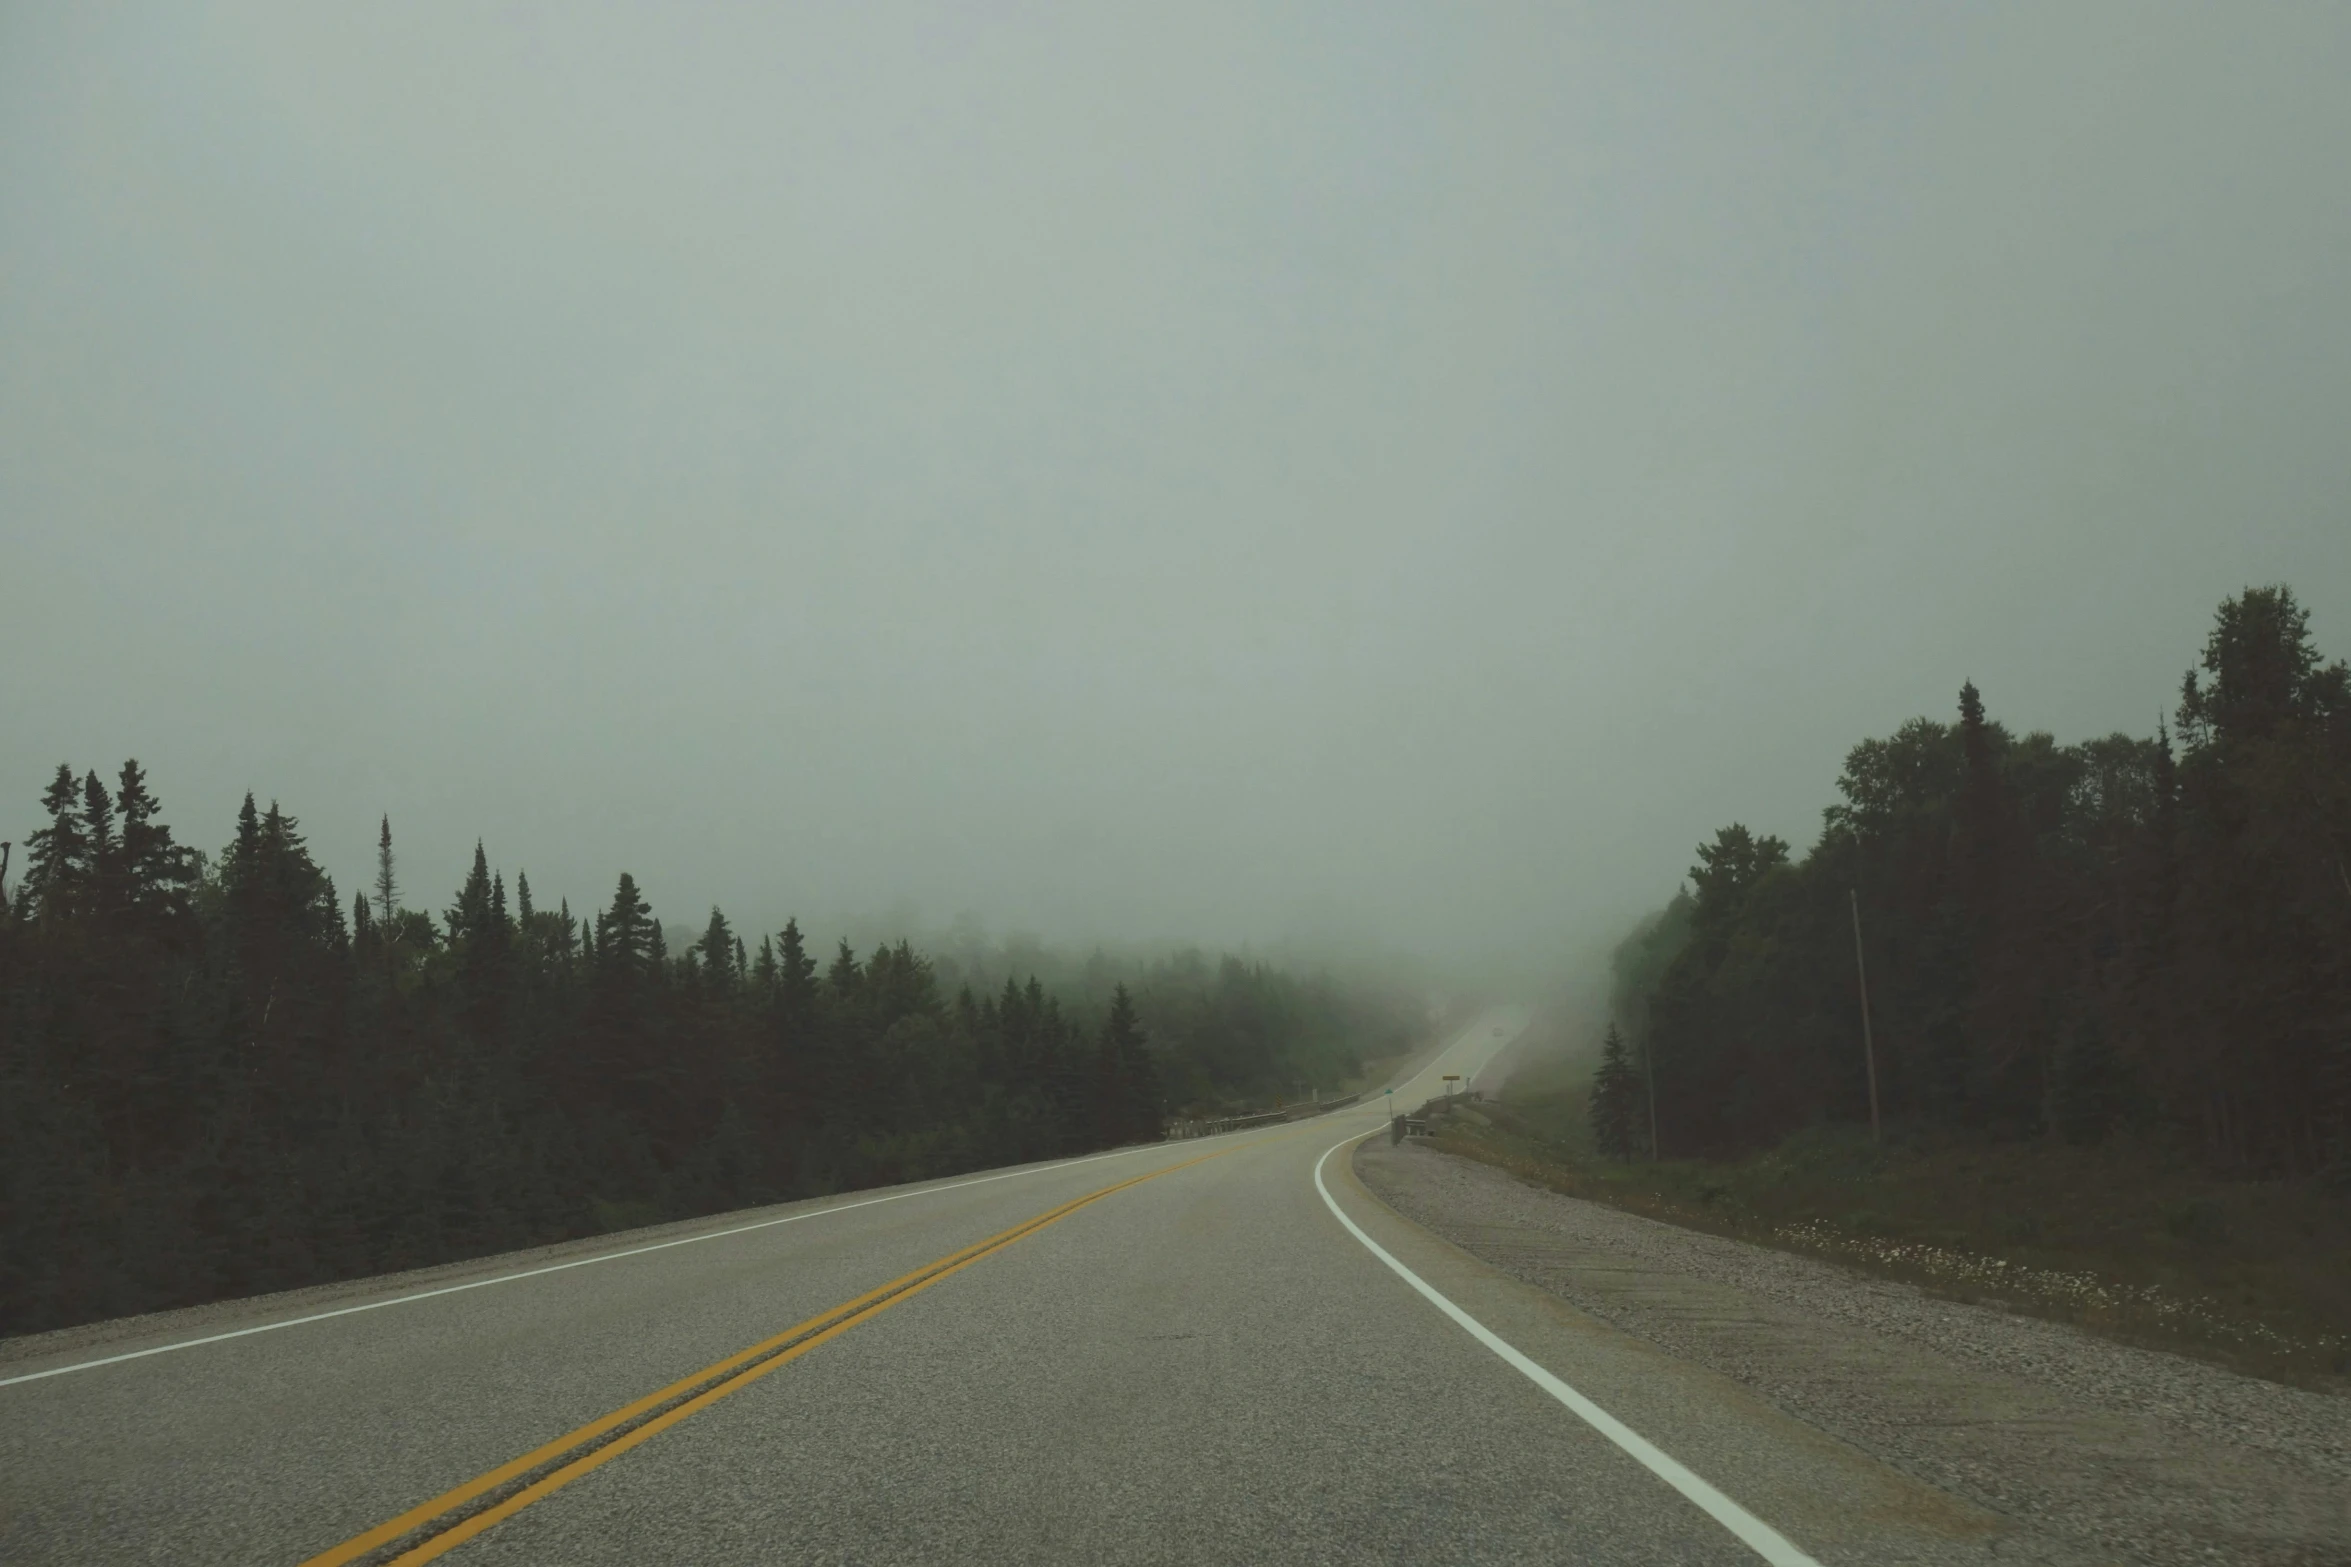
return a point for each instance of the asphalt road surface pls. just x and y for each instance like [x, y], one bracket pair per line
[1222, 1350]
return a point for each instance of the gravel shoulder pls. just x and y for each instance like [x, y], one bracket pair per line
[2124, 1452]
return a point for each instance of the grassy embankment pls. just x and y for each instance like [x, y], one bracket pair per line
[2255, 1275]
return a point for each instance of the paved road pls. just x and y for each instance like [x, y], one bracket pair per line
[1210, 1361]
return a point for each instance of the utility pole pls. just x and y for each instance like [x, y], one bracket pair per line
[1869, 1049]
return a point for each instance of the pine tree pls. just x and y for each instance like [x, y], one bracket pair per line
[1615, 1103]
[626, 936]
[717, 948]
[1137, 1113]
[469, 916]
[387, 884]
[842, 980]
[107, 892]
[522, 898]
[57, 857]
[795, 977]
[1980, 806]
[155, 871]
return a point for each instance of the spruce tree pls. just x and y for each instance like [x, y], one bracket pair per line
[795, 977]
[155, 871]
[107, 892]
[1138, 1114]
[625, 933]
[842, 980]
[1615, 1102]
[717, 948]
[57, 857]
[387, 884]
[469, 916]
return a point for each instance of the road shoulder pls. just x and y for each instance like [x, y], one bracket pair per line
[2048, 1433]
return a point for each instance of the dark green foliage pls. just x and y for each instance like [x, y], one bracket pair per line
[1127, 1106]
[626, 936]
[717, 951]
[2087, 1097]
[1616, 1101]
[222, 1078]
[2061, 940]
[387, 884]
[57, 857]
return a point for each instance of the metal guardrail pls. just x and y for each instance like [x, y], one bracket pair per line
[1417, 1123]
[1214, 1125]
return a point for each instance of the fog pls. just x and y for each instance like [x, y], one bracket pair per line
[1240, 474]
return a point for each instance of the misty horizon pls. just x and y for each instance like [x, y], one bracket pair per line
[1346, 480]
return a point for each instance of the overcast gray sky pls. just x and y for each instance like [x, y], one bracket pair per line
[1186, 470]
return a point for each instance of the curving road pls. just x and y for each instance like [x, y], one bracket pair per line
[1214, 1351]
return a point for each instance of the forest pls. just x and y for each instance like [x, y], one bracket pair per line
[218, 1078]
[2144, 937]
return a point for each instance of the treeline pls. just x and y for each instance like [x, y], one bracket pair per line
[219, 1078]
[2151, 934]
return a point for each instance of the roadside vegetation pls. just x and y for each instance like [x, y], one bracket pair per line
[2121, 1239]
[218, 1077]
[2109, 993]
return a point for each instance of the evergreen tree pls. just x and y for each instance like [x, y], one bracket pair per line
[1979, 807]
[1615, 1105]
[57, 857]
[469, 917]
[795, 977]
[107, 894]
[387, 884]
[627, 939]
[522, 897]
[1135, 1110]
[155, 870]
[842, 980]
[717, 949]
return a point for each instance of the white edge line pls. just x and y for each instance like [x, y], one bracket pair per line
[1758, 1536]
[579, 1262]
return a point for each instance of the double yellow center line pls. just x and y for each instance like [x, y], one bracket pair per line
[433, 1528]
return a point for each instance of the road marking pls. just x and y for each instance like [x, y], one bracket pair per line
[560, 1267]
[1758, 1536]
[455, 1516]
